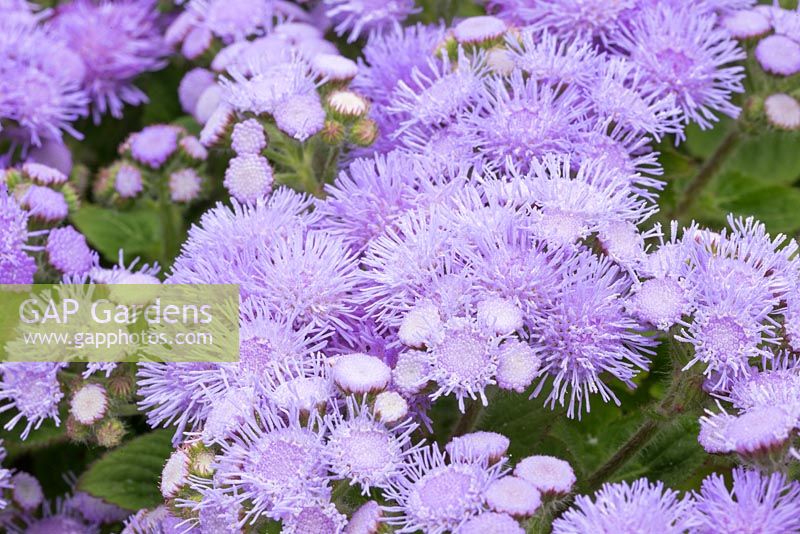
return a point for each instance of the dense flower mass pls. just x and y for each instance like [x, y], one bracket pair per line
[487, 278]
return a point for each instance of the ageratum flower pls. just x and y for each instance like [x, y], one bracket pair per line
[779, 55]
[260, 87]
[783, 111]
[217, 511]
[249, 178]
[585, 335]
[756, 503]
[154, 144]
[16, 265]
[223, 245]
[192, 86]
[491, 522]
[184, 185]
[682, 53]
[436, 495]
[230, 20]
[301, 382]
[547, 474]
[128, 181]
[392, 56]
[477, 445]
[362, 450]
[323, 518]
[638, 507]
[68, 251]
[117, 42]
[274, 464]
[514, 496]
[248, 138]
[308, 278]
[523, 119]
[570, 203]
[464, 359]
[436, 94]
[32, 390]
[578, 19]
[761, 430]
[44, 203]
[370, 195]
[403, 263]
[547, 57]
[365, 520]
[619, 95]
[93, 509]
[169, 394]
[40, 85]
[357, 17]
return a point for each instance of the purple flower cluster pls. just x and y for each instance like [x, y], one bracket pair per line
[755, 503]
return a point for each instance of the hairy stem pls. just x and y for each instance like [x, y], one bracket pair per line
[638, 440]
[168, 228]
[468, 419]
[706, 172]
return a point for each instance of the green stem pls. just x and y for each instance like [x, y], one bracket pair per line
[682, 394]
[468, 419]
[706, 172]
[168, 229]
[638, 440]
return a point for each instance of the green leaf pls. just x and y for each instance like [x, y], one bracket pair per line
[770, 157]
[702, 143]
[730, 185]
[776, 206]
[525, 422]
[595, 438]
[129, 475]
[671, 456]
[46, 435]
[138, 231]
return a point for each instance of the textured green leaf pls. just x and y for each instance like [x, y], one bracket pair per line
[730, 185]
[46, 435]
[776, 206]
[525, 422]
[702, 143]
[138, 231]
[770, 157]
[128, 476]
[671, 456]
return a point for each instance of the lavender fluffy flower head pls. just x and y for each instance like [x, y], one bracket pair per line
[436, 495]
[32, 390]
[357, 17]
[755, 503]
[154, 144]
[627, 508]
[117, 41]
[68, 251]
[40, 85]
[274, 464]
[16, 265]
[682, 53]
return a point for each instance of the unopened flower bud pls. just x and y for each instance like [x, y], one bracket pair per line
[175, 474]
[89, 404]
[364, 132]
[361, 373]
[347, 104]
[390, 407]
[110, 433]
